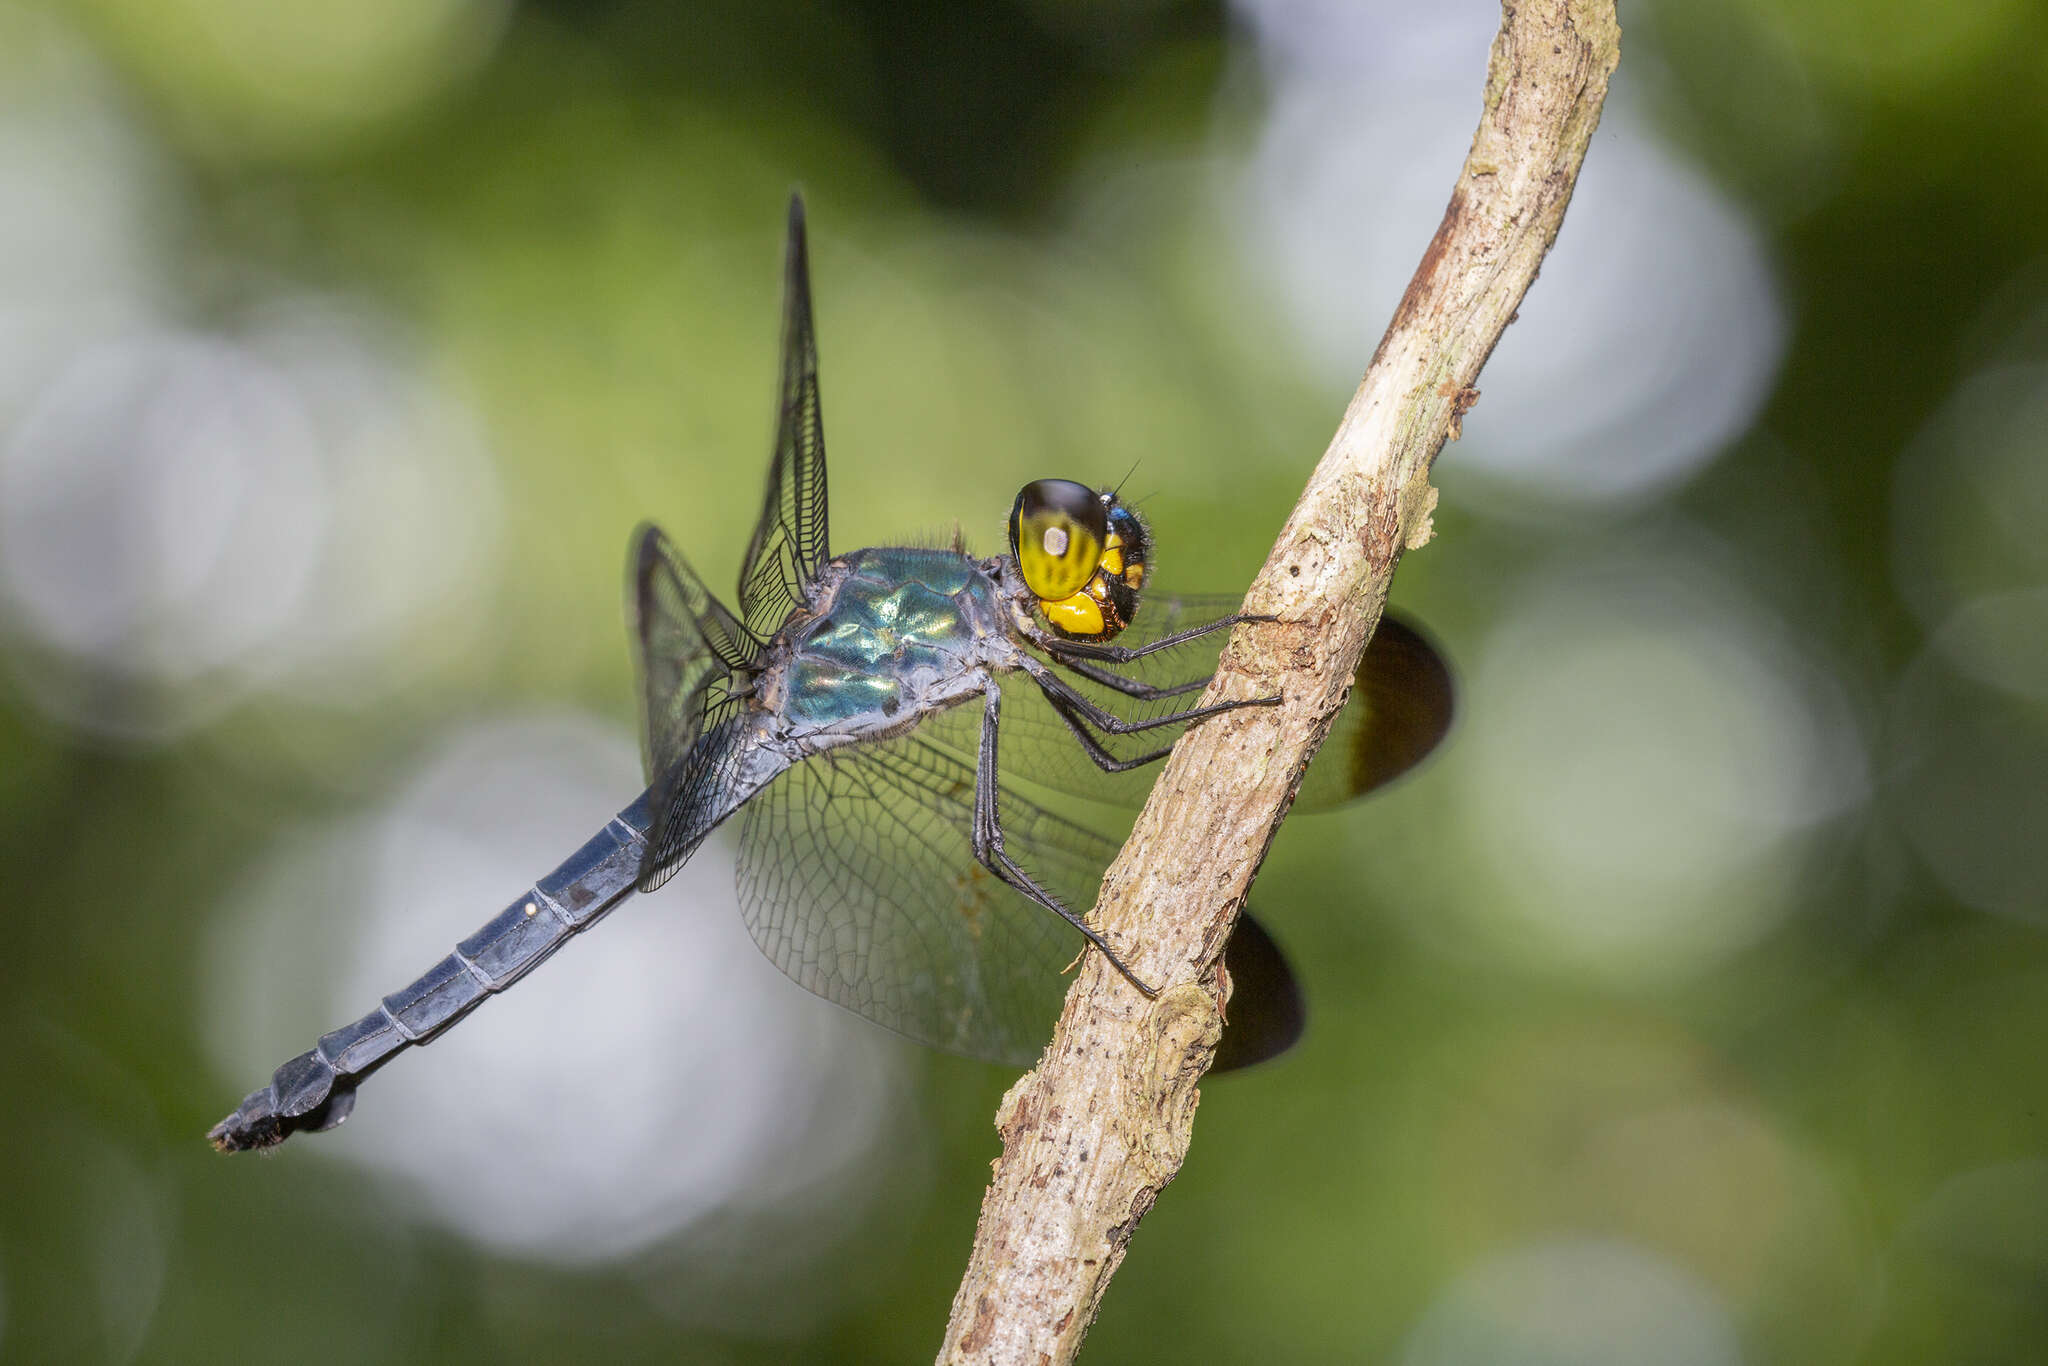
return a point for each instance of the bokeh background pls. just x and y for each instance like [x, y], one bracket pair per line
[1689, 1008]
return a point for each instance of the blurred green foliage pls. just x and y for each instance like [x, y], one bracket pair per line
[568, 210]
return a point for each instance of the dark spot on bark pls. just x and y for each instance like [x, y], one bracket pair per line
[1432, 257]
[983, 1330]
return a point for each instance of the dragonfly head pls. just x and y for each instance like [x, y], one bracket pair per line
[1083, 555]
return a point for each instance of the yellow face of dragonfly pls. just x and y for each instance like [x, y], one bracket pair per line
[1082, 554]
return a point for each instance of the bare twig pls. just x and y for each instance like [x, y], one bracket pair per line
[1097, 1130]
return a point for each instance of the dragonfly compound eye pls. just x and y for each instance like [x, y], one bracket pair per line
[1057, 532]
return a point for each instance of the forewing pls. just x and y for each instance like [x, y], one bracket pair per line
[790, 542]
[688, 648]
[858, 880]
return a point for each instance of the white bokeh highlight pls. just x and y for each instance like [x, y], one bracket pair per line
[655, 1072]
[189, 515]
[1967, 733]
[1966, 772]
[161, 508]
[1649, 343]
[1576, 1302]
[1969, 504]
[78, 261]
[1645, 752]
[1987, 1220]
[131, 1239]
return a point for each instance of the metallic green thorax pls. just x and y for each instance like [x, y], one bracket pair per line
[893, 636]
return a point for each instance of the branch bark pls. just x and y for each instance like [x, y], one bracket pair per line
[1095, 1132]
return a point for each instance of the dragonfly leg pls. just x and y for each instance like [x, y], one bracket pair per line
[1094, 749]
[1124, 654]
[987, 839]
[1058, 690]
[1131, 687]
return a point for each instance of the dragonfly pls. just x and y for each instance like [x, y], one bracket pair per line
[926, 752]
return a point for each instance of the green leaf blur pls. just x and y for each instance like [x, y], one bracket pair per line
[1688, 1007]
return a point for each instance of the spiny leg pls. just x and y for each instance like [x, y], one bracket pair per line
[987, 839]
[1059, 690]
[1130, 687]
[1124, 654]
[1094, 748]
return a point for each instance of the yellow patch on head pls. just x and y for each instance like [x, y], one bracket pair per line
[1079, 615]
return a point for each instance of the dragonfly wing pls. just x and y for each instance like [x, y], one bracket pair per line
[858, 880]
[724, 770]
[688, 650]
[790, 543]
[1266, 1014]
[1400, 708]
[694, 660]
[1402, 701]
[1040, 748]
